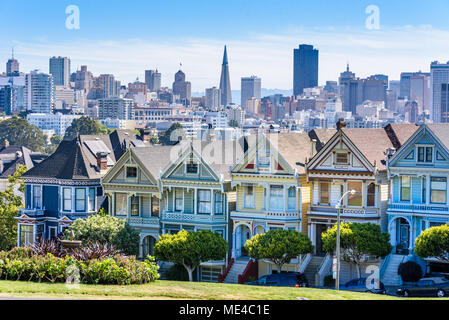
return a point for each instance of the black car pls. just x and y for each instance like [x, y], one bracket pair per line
[362, 285]
[282, 280]
[426, 287]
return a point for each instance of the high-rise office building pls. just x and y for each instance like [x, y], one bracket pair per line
[107, 86]
[213, 97]
[83, 79]
[305, 68]
[12, 94]
[251, 88]
[439, 80]
[182, 88]
[153, 80]
[225, 81]
[375, 89]
[12, 66]
[60, 70]
[39, 92]
[115, 108]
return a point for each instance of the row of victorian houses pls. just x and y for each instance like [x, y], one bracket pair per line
[247, 187]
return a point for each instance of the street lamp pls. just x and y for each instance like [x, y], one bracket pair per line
[338, 206]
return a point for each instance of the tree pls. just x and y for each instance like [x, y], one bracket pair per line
[190, 249]
[20, 132]
[356, 241]
[234, 123]
[10, 203]
[154, 140]
[106, 230]
[54, 143]
[172, 135]
[433, 243]
[84, 126]
[410, 271]
[279, 246]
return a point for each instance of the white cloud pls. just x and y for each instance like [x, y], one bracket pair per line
[389, 50]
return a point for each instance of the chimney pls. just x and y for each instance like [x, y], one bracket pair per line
[5, 143]
[314, 142]
[102, 161]
[341, 124]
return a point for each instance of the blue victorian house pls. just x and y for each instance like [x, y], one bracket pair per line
[418, 174]
[66, 186]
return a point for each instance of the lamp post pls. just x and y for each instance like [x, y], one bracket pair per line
[337, 281]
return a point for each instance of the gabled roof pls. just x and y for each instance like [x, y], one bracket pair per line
[74, 160]
[14, 156]
[295, 148]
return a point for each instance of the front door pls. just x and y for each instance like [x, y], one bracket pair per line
[404, 235]
[320, 228]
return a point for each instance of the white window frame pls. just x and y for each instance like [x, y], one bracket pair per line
[76, 200]
[210, 201]
[253, 202]
[175, 209]
[192, 162]
[425, 146]
[295, 199]
[282, 188]
[64, 199]
[126, 172]
[40, 195]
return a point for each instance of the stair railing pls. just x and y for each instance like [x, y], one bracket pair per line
[305, 263]
[323, 270]
[383, 267]
[251, 270]
[222, 277]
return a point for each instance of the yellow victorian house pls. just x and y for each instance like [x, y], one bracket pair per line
[272, 192]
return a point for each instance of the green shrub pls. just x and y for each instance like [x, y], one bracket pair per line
[177, 273]
[106, 230]
[329, 281]
[113, 270]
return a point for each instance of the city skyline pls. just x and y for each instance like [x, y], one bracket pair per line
[255, 49]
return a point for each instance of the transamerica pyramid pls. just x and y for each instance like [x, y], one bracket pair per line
[225, 82]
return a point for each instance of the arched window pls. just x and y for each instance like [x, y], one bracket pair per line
[371, 195]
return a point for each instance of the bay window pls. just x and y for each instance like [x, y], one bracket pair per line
[92, 197]
[371, 195]
[248, 201]
[324, 193]
[37, 197]
[218, 203]
[292, 198]
[26, 235]
[438, 190]
[67, 199]
[135, 206]
[179, 199]
[405, 188]
[204, 201]
[80, 199]
[276, 197]
[121, 204]
[355, 200]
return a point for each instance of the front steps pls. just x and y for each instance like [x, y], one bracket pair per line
[237, 268]
[390, 276]
[312, 269]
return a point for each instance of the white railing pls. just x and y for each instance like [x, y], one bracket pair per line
[323, 270]
[179, 216]
[143, 221]
[305, 263]
[32, 212]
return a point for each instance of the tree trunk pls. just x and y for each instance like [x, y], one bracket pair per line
[279, 267]
[190, 272]
[359, 273]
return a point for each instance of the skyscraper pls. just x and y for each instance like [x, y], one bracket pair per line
[12, 66]
[251, 88]
[182, 88]
[439, 80]
[39, 92]
[60, 70]
[213, 97]
[225, 81]
[305, 68]
[153, 80]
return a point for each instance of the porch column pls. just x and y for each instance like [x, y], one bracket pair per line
[412, 232]
[195, 201]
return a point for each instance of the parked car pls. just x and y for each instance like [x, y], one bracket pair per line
[282, 280]
[426, 287]
[360, 285]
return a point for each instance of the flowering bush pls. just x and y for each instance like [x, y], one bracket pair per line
[21, 264]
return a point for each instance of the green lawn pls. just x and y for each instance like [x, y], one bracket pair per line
[175, 290]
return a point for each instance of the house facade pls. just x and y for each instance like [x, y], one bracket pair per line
[419, 173]
[272, 190]
[353, 159]
[66, 186]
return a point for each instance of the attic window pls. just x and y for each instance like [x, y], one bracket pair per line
[411, 156]
[131, 172]
[192, 168]
[341, 158]
[440, 157]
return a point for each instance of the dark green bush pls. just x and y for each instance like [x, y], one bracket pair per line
[177, 273]
[329, 281]
[410, 271]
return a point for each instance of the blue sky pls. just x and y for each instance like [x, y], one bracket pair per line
[127, 37]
